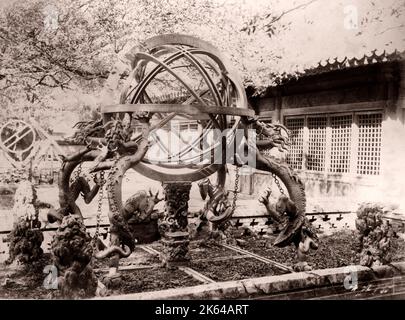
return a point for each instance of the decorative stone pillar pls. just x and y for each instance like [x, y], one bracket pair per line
[173, 228]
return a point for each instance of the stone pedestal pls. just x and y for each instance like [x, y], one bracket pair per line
[173, 228]
[175, 249]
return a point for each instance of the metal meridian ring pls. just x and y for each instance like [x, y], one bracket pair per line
[194, 109]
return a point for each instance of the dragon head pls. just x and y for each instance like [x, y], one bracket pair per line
[274, 134]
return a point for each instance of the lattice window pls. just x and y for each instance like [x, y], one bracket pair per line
[316, 143]
[296, 127]
[369, 150]
[341, 136]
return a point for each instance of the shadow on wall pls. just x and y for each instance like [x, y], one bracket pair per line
[328, 194]
[322, 186]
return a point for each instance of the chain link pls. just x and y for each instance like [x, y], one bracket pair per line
[77, 173]
[112, 202]
[235, 191]
[99, 207]
[277, 183]
[100, 202]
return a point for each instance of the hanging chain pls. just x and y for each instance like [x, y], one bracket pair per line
[112, 202]
[235, 191]
[277, 183]
[100, 204]
[77, 173]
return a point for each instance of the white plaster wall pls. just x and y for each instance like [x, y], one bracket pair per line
[392, 187]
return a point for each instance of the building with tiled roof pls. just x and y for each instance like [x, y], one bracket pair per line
[347, 120]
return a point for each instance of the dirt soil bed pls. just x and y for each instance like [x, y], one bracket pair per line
[25, 283]
[209, 250]
[28, 284]
[202, 250]
[235, 269]
[151, 280]
[336, 250]
[139, 257]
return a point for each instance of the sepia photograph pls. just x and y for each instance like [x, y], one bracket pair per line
[224, 151]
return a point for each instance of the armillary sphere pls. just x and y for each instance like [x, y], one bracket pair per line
[16, 138]
[177, 83]
[205, 88]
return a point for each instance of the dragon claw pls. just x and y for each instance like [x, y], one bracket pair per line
[265, 198]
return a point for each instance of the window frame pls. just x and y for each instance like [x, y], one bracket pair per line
[353, 148]
[352, 144]
[304, 137]
[325, 162]
[356, 120]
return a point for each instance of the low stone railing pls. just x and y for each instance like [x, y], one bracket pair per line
[348, 278]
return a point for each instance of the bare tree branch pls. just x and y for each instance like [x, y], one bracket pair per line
[277, 18]
[391, 28]
[252, 24]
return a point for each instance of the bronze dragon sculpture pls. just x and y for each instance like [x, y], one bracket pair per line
[109, 147]
[289, 215]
